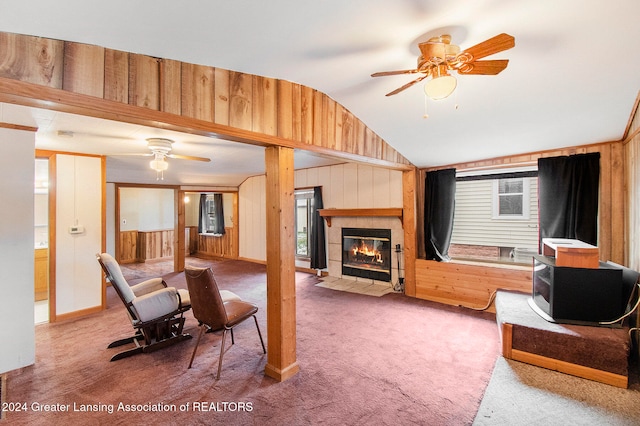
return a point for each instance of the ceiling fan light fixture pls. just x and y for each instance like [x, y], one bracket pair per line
[441, 85]
[159, 165]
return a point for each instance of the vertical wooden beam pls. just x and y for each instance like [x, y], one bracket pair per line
[409, 224]
[281, 292]
[178, 234]
[83, 69]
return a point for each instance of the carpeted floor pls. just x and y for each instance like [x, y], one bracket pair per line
[364, 360]
[520, 394]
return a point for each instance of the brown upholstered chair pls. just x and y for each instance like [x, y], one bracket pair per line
[155, 310]
[212, 312]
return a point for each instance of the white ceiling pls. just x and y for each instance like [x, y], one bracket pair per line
[572, 79]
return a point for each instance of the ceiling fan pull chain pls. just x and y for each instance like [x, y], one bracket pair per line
[426, 115]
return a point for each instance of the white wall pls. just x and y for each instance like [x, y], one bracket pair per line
[146, 209]
[192, 208]
[78, 203]
[343, 186]
[17, 334]
[253, 218]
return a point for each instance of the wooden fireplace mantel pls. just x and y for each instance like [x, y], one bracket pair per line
[389, 212]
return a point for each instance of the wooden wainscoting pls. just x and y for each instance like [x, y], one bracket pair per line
[140, 246]
[469, 285]
[218, 246]
[155, 244]
[128, 247]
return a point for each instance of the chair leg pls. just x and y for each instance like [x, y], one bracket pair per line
[224, 336]
[259, 334]
[202, 328]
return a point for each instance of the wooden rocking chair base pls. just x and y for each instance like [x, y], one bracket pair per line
[154, 336]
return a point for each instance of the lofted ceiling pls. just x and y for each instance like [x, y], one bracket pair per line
[572, 79]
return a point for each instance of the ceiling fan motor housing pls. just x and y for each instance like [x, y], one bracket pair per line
[160, 145]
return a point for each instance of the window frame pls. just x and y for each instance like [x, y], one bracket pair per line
[303, 194]
[524, 195]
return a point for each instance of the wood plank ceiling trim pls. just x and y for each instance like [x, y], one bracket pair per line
[105, 83]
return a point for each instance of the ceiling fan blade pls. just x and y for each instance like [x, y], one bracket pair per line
[484, 67]
[385, 73]
[489, 47]
[406, 86]
[188, 157]
[137, 154]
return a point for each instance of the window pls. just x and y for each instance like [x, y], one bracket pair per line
[496, 216]
[212, 214]
[510, 198]
[303, 221]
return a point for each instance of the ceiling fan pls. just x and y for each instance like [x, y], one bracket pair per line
[161, 150]
[439, 56]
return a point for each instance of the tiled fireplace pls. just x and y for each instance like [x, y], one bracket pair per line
[381, 234]
[366, 253]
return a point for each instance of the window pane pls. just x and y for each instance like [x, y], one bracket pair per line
[510, 205]
[302, 235]
[510, 186]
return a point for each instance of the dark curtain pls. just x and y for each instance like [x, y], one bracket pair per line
[203, 213]
[568, 197]
[218, 214]
[439, 206]
[317, 248]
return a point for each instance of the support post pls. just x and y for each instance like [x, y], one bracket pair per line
[281, 292]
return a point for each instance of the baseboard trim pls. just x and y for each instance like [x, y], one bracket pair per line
[78, 314]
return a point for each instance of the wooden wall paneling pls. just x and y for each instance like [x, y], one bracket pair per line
[144, 81]
[83, 69]
[339, 125]
[178, 242]
[171, 86]
[306, 115]
[128, 247]
[319, 133]
[32, 59]
[285, 106]
[296, 112]
[265, 105]
[240, 100]
[221, 105]
[409, 180]
[147, 85]
[381, 184]
[329, 120]
[350, 185]
[116, 75]
[336, 193]
[364, 189]
[198, 88]
[470, 285]
[617, 203]
[604, 208]
[348, 130]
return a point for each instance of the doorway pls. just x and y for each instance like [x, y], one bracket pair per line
[41, 240]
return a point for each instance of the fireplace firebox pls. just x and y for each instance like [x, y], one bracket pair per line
[366, 253]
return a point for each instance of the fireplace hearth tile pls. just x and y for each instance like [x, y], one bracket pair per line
[353, 286]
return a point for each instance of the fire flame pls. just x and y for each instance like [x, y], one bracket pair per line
[365, 250]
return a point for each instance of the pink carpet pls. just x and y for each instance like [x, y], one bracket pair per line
[363, 360]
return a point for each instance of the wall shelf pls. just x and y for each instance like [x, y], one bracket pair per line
[330, 213]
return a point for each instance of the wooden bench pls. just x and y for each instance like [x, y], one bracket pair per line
[595, 353]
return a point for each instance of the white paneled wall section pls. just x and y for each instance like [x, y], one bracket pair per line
[78, 204]
[17, 334]
[344, 186]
